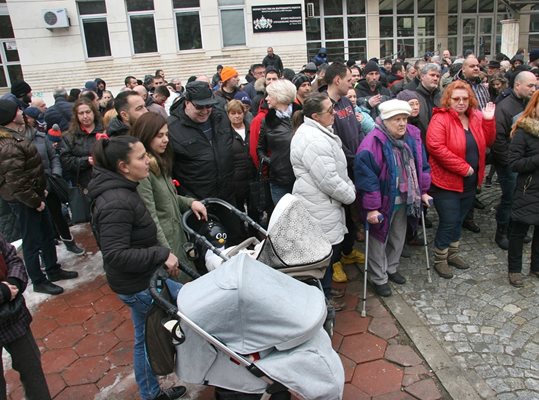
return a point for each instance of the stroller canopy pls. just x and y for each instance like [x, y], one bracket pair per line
[251, 307]
[295, 240]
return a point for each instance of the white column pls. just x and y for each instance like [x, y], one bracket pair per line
[510, 31]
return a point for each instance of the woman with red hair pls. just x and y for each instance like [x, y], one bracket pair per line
[524, 160]
[457, 138]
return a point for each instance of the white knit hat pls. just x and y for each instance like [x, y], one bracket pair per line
[394, 107]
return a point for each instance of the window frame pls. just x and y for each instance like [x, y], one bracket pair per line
[130, 28]
[92, 18]
[186, 10]
[236, 7]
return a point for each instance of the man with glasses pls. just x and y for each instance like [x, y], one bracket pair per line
[506, 109]
[202, 142]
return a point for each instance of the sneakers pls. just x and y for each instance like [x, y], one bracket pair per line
[48, 287]
[73, 248]
[337, 293]
[515, 279]
[397, 278]
[61, 274]
[382, 290]
[175, 392]
[339, 275]
[338, 305]
[355, 257]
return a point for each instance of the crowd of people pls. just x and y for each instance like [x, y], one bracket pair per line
[359, 143]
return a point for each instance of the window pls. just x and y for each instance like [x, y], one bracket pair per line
[340, 26]
[142, 26]
[95, 31]
[10, 66]
[406, 28]
[533, 39]
[188, 24]
[232, 22]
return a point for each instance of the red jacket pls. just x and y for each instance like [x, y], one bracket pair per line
[446, 144]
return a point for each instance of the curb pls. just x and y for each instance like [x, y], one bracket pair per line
[456, 381]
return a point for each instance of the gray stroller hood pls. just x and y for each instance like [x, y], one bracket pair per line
[296, 245]
[252, 308]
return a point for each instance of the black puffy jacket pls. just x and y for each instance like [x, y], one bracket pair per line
[523, 158]
[126, 232]
[203, 168]
[74, 157]
[244, 169]
[274, 144]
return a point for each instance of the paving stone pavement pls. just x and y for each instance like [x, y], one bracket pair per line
[488, 327]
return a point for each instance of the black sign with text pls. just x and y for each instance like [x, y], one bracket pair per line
[284, 17]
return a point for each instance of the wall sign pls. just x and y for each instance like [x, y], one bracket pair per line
[284, 17]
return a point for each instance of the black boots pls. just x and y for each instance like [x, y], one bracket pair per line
[501, 238]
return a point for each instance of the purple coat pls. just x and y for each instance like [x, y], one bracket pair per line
[375, 175]
[16, 275]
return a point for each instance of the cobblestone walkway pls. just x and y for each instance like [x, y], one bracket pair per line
[489, 327]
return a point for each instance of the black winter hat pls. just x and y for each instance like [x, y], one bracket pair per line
[300, 79]
[534, 55]
[8, 110]
[370, 67]
[20, 88]
[199, 93]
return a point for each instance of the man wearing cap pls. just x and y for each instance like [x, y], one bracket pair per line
[370, 91]
[230, 82]
[303, 88]
[506, 109]
[273, 60]
[493, 67]
[534, 59]
[21, 94]
[310, 69]
[202, 141]
[23, 186]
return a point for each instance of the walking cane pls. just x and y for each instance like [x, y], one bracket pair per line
[364, 299]
[425, 244]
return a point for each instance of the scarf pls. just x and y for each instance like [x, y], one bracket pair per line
[284, 114]
[408, 183]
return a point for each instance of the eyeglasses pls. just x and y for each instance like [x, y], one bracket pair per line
[200, 108]
[329, 110]
[459, 99]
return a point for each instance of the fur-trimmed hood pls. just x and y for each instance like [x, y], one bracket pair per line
[260, 85]
[530, 125]
[7, 133]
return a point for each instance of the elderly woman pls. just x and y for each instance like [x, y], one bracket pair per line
[457, 138]
[275, 136]
[392, 176]
[322, 180]
[523, 156]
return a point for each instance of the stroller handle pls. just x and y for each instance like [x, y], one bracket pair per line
[156, 284]
[200, 239]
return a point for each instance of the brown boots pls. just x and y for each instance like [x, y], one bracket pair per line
[443, 258]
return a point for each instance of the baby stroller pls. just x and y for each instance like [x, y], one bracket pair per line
[293, 244]
[254, 331]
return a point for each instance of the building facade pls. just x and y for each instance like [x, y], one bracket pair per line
[67, 42]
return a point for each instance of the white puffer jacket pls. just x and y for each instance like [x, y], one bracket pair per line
[322, 181]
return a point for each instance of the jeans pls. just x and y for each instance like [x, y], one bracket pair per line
[26, 360]
[516, 242]
[37, 236]
[452, 208]
[278, 191]
[326, 280]
[140, 303]
[508, 182]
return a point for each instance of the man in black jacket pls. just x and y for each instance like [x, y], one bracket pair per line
[370, 91]
[273, 60]
[202, 142]
[61, 112]
[130, 106]
[506, 109]
[428, 94]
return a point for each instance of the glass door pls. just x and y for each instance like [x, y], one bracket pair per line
[477, 34]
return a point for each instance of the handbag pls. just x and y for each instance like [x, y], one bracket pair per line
[259, 192]
[79, 202]
[160, 348]
[59, 186]
[10, 309]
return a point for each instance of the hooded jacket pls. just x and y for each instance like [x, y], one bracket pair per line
[203, 168]
[60, 113]
[322, 180]
[117, 127]
[320, 57]
[523, 158]
[446, 144]
[127, 235]
[21, 171]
